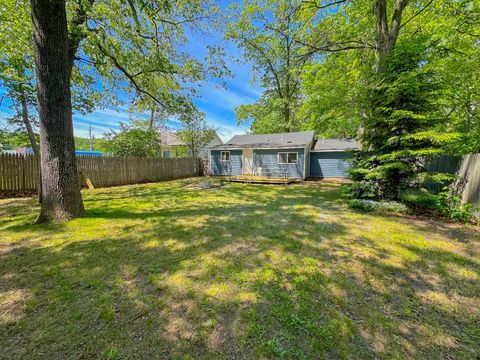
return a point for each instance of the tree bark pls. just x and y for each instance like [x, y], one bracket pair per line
[387, 35]
[152, 117]
[61, 198]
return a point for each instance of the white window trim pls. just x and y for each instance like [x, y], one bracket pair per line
[287, 152]
[221, 155]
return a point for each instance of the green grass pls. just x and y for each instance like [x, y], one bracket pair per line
[242, 271]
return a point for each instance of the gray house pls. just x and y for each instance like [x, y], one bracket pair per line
[284, 155]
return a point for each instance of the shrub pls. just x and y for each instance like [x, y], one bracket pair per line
[421, 201]
[377, 206]
[453, 208]
[365, 189]
[444, 203]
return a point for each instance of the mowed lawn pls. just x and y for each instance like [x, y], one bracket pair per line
[167, 271]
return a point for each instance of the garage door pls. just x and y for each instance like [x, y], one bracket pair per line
[329, 164]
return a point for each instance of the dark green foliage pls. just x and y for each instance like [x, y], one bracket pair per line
[453, 208]
[377, 206]
[444, 204]
[365, 189]
[421, 201]
[400, 127]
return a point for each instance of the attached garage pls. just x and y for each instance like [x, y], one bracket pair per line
[329, 158]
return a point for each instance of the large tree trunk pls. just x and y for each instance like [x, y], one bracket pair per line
[61, 198]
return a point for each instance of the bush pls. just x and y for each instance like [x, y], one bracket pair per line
[453, 208]
[445, 204]
[365, 189]
[381, 207]
[421, 201]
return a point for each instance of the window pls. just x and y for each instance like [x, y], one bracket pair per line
[225, 156]
[288, 158]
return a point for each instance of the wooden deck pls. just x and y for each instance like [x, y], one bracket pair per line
[257, 179]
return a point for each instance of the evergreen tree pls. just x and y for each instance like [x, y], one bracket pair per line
[400, 134]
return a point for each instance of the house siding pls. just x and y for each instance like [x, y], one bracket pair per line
[307, 162]
[268, 159]
[330, 164]
[232, 167]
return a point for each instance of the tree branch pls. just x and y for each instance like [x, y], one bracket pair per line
[76, 35]
[131, 78]
[315, 4]
[397, 18]
[269, 63]
[417, 13]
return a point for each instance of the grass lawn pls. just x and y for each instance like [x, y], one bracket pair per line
[243, 271]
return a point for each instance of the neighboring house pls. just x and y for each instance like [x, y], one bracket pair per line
[173, 146]
[170, 144]
[292, 155]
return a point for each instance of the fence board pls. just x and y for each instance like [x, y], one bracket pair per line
[21, 172]
[467, 168]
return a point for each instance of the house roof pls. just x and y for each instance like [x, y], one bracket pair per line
[170, 139]
[279, 140]
[336, 145]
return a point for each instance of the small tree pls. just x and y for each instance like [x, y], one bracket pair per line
[135, 139]
[195, 133]
[400, 129]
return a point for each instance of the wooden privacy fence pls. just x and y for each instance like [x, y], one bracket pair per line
[21, 172]
[18, 172]
[467, 168]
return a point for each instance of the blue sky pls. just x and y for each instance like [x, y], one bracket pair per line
[216, 102]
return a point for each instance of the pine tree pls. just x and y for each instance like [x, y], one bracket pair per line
[400, 130]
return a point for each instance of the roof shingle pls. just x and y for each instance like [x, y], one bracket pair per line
[336, 145]
[284, 140]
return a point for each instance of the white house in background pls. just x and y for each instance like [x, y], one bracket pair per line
[172, 145]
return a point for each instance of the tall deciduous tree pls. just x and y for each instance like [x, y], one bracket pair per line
[271, 34]
[16, 66]
[61, 198]
[17, 72]
[356, 40]
[134, 46]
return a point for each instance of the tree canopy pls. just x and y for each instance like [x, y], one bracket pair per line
[339, 46]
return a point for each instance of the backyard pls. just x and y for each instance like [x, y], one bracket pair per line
[172, 271]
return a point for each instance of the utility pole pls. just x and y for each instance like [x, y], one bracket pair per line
[90, 136]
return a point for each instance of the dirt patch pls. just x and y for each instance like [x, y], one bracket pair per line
[13, 305]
